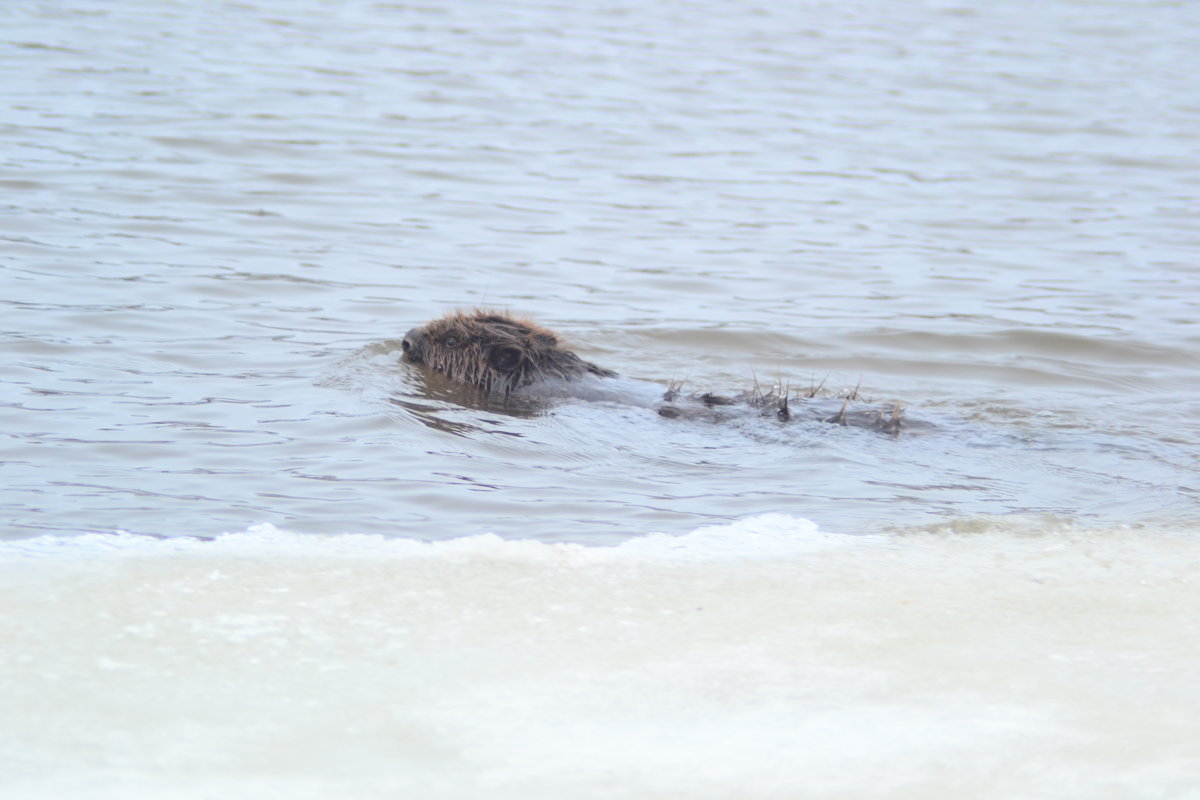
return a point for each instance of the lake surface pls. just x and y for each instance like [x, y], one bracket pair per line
[335, 577]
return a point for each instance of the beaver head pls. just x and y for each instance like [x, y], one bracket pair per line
[493, 351]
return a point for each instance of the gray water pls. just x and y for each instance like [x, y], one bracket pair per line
[218, 219]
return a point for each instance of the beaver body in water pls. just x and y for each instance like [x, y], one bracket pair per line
[494, 352]
[500, 354]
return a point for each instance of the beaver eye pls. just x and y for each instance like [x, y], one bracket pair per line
[450, 341]
[504, 359]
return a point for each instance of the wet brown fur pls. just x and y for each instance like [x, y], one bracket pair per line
[498, 354]
[494, 352]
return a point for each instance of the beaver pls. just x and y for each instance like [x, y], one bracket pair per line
[494, 352]
[498, 354]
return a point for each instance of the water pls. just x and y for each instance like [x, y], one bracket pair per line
[218, 220]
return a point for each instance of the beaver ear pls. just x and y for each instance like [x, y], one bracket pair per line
[503, 358]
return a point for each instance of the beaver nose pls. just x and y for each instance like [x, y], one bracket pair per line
[413, 344]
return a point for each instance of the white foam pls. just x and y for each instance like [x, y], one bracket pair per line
[756, 659]
[762, 537]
